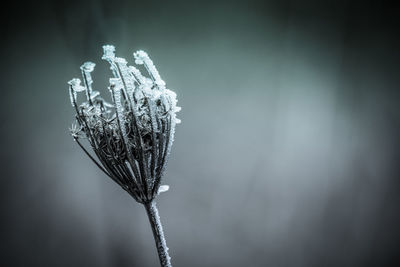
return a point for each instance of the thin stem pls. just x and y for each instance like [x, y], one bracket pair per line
[162, 249]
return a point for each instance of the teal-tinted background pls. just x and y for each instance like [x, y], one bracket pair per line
[287, 154]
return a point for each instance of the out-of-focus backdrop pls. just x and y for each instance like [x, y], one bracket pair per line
[287, 155]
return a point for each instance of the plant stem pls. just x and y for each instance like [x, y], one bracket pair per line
[162, 249]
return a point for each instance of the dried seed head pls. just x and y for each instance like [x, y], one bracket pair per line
[132, 137]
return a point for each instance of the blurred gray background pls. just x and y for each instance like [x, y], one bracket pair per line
[287, 154]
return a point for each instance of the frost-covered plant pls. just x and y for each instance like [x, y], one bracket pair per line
[132, 137]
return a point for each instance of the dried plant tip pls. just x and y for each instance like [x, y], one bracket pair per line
[108, 52]
[132, 137]
[88, 67]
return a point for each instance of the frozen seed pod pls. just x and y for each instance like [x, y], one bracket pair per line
[131, 138]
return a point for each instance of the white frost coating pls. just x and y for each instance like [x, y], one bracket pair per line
[120, 60]
[163, 188]
[126, 75]
[159, 233]
[94, 94]
[108, 52]
[141, 58]
[109, 56]
[87, 68]
[120, 112]
[115, 82]
[76, 85]
[118, 104]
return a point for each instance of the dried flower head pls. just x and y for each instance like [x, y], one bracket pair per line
[132, 137]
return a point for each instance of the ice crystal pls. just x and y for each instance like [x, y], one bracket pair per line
[132, 137]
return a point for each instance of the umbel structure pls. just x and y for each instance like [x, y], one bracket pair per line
[131, 138]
